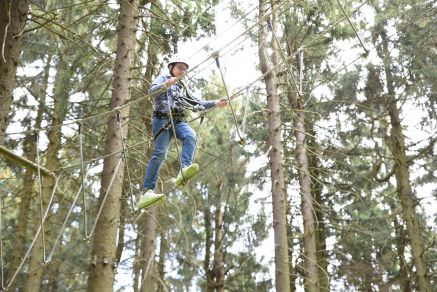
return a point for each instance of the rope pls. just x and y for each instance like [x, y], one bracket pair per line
[82, 188]
[123, 154]
[174, 134]
[353, 27]
[55, 244]
[246, 106]
[87, 237]
[47, 210]
[202, 118]
[40, 196]
[35, 237]
[75, 121]
[241, 141]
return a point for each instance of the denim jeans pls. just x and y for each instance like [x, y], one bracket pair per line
[184, 133]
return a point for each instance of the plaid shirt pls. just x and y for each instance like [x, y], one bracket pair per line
[174, 96]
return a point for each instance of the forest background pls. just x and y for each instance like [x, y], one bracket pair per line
[319, 176]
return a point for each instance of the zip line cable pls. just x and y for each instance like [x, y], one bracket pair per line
[353, 27]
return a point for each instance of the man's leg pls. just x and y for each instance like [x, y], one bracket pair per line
[188, 137]
[158, 156]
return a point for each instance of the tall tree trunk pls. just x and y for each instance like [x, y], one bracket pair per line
[149, 223]
[219, 273]
[309, 236]
[316, 189]
[161, 263]
[101, 275]
[208, 243]
[62, 88]
[148, 258]
[400, 248]
[290, 247]
[28, 183]
[276, 162]
[396, 145]
[13, 17]
[53, 273]
[137, 264]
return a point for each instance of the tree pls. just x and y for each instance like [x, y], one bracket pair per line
[276, 161]
[13, 18]
[101, 275]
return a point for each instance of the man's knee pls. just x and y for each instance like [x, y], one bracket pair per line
[191, 137]
[159, 154]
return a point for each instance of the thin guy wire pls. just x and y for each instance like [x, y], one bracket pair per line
[34, 238]
[229, 99]
[123, 154]
[174, 135]
[104, 199]
[75, 121]
[234, 95]
[353, 27]
[66, 219]
[82, 172]
[40, 196]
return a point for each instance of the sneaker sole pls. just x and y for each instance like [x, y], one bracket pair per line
[154, 201]
[191, 172]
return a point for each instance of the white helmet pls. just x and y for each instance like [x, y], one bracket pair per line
[175, 60]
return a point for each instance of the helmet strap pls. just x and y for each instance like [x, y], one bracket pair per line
[171, 70]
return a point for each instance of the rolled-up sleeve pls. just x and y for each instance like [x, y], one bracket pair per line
[157, 84]
[207, 104]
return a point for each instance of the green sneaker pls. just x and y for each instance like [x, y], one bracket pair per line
[149, 198]
[186, 174]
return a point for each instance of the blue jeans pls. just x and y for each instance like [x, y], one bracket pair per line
[184, 133]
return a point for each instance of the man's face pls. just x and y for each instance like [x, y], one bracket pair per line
[179, 69]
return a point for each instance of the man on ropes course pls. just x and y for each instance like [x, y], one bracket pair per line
[169, 120]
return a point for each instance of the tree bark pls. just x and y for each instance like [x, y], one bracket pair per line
[219, 273]
[400, 248]
[208, 243]
[316, 189]
[161, 263]
[150, 227]
[310, 248]
[28, 184]
[148, 258]
[276, 162]
[396, 145]
[101, 275]
[13, 17]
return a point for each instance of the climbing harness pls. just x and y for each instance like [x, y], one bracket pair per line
[217, 62]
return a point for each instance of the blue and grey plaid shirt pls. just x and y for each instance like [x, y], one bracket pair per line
[177, 95]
